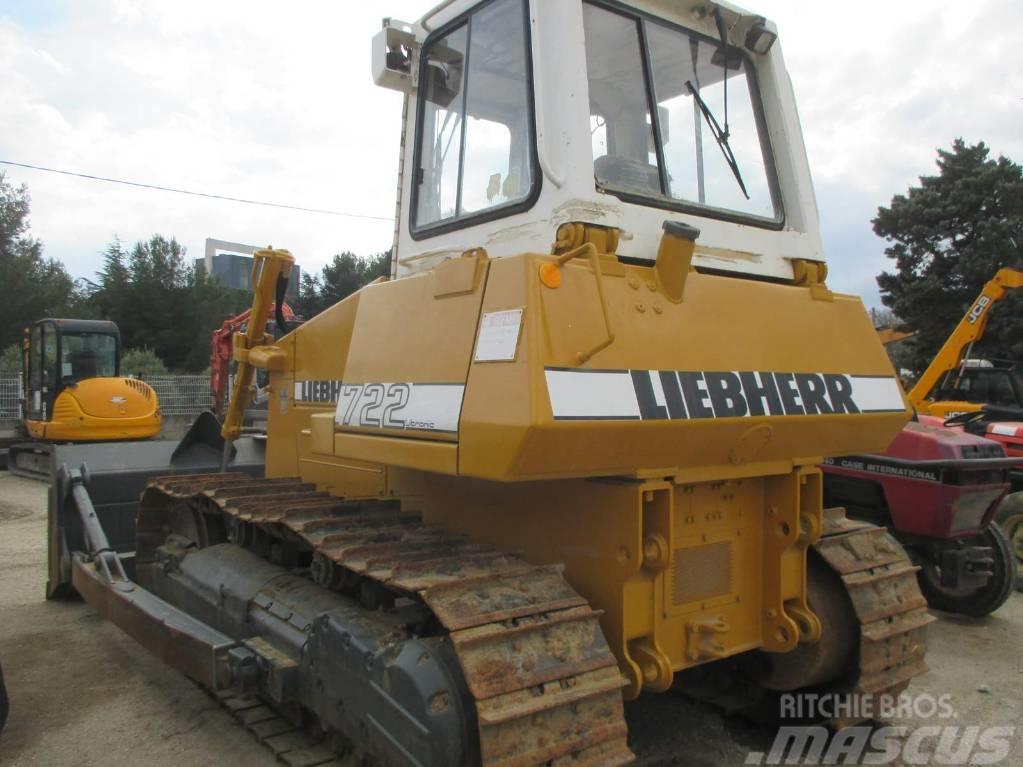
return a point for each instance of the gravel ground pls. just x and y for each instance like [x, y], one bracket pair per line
[83, 694]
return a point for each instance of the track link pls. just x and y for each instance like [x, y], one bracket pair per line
[546, 686]
[287, 742]
[881, 583]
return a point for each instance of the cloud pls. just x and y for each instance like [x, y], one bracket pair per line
[244, 99]
[272, 101]
[881, 86]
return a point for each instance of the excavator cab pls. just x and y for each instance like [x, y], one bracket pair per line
[975, 384]
[62, 353]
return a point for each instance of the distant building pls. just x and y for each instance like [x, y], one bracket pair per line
[231, 264]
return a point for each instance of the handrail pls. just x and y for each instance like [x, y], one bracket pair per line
[425, 23]
[590, 251]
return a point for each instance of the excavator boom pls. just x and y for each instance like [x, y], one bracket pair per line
[970, 329]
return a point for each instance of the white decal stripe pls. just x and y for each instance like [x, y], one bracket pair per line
[874, 394]
[400, 406]
[1004, 430]
[433, 408]
[577, 394]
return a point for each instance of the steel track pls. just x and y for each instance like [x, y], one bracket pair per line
[545, 684]
[880, 580]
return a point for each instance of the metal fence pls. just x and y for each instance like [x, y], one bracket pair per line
[182, 395]
[179, 395]
[10, 396]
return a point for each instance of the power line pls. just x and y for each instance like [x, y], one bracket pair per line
[159, 188]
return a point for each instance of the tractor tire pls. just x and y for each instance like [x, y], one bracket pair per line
[1010, 517]
[978, 602]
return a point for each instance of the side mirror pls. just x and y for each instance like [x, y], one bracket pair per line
[395, 51]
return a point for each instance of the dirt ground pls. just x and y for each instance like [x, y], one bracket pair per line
[83, 694]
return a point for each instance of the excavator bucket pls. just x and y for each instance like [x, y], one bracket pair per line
[116, 473]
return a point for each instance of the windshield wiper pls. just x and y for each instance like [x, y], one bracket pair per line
[720, 135]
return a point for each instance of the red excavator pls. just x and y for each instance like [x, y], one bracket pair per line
[221, 348]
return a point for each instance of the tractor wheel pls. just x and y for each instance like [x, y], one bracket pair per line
[1010, 517]
[975, 602]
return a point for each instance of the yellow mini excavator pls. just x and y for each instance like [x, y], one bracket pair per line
[73, 392]
[568, 454]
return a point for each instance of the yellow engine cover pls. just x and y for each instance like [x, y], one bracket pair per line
[101, 409]
[665, 455]
[472, 370]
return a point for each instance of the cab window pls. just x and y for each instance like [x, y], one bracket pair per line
[88, 355]
[35, 368]
[674, 119]
[475, 152]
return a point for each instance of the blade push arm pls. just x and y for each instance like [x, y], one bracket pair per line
[969, 330]
[252, 348]
[221, 352]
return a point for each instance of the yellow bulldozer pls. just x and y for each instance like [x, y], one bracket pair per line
[568, 454]
[73, 391]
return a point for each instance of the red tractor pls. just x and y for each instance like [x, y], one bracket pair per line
[937, 490]
[1003, 425]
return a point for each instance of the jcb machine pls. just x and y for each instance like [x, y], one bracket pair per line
[74, 392]
[954, 383]
[568, 454]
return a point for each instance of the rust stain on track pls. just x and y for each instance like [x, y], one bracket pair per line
[547, 688]
[892, 613]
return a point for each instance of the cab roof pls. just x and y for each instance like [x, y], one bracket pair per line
[99, 327]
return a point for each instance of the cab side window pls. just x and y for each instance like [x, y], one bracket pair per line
[476, 150]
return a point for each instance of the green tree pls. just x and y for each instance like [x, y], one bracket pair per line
[948, 236]
[142, 363]
[32, 286]
[345, 274]
[10, 359]
[162, 303]
[884, 318]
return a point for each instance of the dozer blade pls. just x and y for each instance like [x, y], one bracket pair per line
[30, 460]
[118, 472]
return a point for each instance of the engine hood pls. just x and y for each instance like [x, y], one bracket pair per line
[114, 397]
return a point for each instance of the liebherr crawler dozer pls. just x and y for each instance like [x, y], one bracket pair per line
[567, 455]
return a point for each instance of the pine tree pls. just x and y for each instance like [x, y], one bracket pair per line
[948, 236]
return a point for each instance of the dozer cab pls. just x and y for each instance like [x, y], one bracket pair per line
[568, 454]
[74, 392]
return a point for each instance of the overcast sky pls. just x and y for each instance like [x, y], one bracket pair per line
[274, 101]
